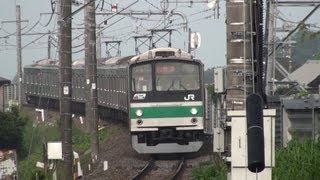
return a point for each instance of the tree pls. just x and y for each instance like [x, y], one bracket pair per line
[208, 76]
[307, 47]
[11, 131]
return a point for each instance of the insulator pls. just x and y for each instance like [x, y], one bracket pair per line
[255, 136]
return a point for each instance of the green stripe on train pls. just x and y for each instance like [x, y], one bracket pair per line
[166, 112]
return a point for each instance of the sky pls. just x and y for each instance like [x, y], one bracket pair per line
[200, 19]
[212, 31]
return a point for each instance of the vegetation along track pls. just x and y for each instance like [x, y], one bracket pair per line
[161, 169]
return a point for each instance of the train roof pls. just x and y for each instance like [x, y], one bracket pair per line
[160, 53]
[46, 62]
[157, 53]
[117, 60]
[55, 63]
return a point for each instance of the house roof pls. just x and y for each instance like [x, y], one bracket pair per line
[306, 74]
[285, 63]
[4, 81]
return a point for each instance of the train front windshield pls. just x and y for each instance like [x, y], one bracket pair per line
[168, 76]
[142, 78]
[175, 76]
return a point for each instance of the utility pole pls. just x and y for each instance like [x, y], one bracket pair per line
[19, 55]
[244, 59]
[244, 76]
[239, 54]
[271, 48]
[99, 45]
[91, 77]
[49, 45]
[65, 86]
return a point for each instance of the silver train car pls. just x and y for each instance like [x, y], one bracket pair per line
[160, 93]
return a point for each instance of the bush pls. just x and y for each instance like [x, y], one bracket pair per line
[298, 161]
[210, 171]
[81, 141]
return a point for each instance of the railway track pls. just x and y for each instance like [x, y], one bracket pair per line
[148, 171]
[179, 169]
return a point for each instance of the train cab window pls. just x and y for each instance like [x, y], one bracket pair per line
[175, 76]
[142, 78]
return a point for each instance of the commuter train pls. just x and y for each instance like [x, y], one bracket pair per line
[160, 92]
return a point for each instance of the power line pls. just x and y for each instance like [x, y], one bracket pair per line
[52, 12]
[296, 28]
[34, 41]
[153, 5]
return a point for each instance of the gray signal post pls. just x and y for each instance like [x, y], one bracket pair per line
[19, 52]
[91, 77]
[65, 85]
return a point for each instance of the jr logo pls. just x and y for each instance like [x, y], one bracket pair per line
[189, 97]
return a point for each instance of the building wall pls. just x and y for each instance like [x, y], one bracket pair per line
[300, 118]
[9, 94]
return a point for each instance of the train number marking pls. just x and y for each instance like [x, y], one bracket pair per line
[140, 96]
[189, 97]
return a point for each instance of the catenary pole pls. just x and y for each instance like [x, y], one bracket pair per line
[19, 55]
[65, 86]
[91, 76]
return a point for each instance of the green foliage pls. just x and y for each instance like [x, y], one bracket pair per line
[298, 161]
[27, 168]
[81, 141]
[302, 94]
[208, 76]
[12, 124]
[210, 171]
[211, 93]
[286, 91]
[208, 79]
[35, 136]
[104, 135]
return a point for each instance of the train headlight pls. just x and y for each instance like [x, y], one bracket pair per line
[139, 112]
[194, 111]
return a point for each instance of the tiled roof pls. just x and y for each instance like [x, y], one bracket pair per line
[306, 73]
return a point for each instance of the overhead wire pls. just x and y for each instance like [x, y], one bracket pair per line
[177, 26]
[125, 27]
[153, 5]
[32, 27]
[33, 41]
[296, 22]
[52, 12]
[76, 46]
[102, 5]
[9, 33]
[75, 52]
